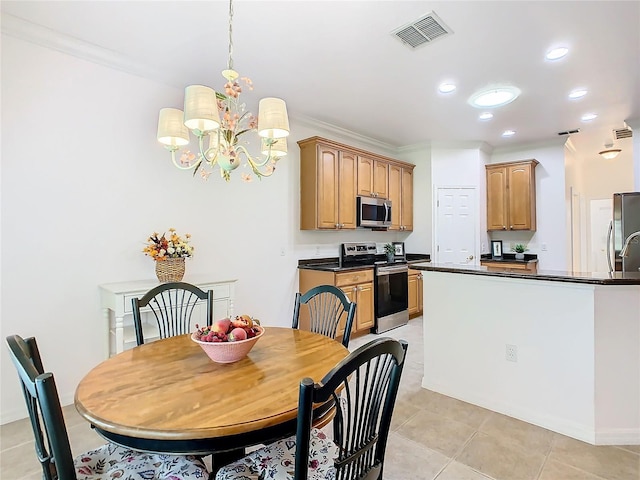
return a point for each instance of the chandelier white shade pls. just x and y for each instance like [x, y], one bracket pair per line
[171, 129]
[201, 108]
[219, 121]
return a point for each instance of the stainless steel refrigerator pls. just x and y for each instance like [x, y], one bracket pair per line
[626, 222]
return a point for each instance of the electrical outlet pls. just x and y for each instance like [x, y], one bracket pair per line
[543, 247]
[282, 251]
[511, 353]
[317, 250]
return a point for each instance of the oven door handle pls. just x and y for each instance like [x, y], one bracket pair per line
[380, 271]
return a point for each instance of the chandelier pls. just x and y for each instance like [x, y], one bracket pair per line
[219, 120]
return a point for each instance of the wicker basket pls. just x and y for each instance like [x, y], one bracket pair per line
[170, 269]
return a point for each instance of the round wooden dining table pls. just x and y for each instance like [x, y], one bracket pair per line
[168, 396]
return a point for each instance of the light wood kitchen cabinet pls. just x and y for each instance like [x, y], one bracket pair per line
[401, 196]
[328, 182]
[524, 267]
[373, 177]
[415, 293]
[511, 196]
[357, 286]
[332, 175]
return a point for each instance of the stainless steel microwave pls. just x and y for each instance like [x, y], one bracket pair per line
[373, 212]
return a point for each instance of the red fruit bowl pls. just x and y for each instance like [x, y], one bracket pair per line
[228, 352]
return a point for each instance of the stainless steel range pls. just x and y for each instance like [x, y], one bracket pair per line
[391, 286]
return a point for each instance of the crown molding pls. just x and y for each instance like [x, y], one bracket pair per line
[557, 142]
[343, 132]
[54, 40]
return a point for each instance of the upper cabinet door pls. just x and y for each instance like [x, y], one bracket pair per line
[327, 187]
[380, 179]
[522, 204]
[497, 198]
[372, 177]
[395, 195]
[347, 185]
[406, 219]
[365, 176]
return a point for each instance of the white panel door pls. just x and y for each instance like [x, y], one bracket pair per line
[601, 214]
[455, 234]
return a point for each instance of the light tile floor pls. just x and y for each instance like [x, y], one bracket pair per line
[433, 437]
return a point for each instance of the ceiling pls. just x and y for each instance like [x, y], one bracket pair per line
[337, 61]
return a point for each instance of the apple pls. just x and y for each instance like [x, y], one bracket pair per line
[221, 326]
[237, 334]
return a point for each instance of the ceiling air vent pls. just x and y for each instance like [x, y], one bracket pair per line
[569, 132]
[423, 30]
[623, 133]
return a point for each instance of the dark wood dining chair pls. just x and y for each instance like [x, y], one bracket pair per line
[327, 305]
[172, 305]
[365, 386]
[52, 441]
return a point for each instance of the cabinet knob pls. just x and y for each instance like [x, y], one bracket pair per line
[511, 227]
[504, 227]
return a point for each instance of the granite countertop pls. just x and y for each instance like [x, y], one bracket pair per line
[509, 258]
[332, 264]
[598, 278]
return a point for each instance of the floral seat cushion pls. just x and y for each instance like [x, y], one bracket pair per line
[277, 461]
[113, 462]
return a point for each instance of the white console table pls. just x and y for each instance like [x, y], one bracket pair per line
[115, 301]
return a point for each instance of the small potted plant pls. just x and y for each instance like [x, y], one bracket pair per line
[519, 248]
[390, 250]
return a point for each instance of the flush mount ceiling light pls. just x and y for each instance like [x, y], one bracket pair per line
[219, 119]
[494, 97]
[556, 53]
[578, 93]
[587, 117]
[508, 133]
[446, 88]
[609, 153]
[485, 116]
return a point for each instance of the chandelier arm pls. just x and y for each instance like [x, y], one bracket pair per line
[255, 166]
[204, 152]
[181, 165]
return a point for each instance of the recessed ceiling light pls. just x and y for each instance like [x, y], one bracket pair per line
[494, 97]
[446, 88]
[587, 117]
[508, 133]
[578, 93]
[485, 116]
[556, 53]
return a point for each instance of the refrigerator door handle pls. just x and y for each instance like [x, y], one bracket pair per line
[609, 245]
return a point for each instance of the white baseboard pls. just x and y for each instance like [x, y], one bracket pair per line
[618, 436]
[585, 433]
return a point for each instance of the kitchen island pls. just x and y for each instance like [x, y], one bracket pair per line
[557, 349]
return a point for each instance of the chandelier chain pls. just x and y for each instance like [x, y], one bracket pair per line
[230, 61]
